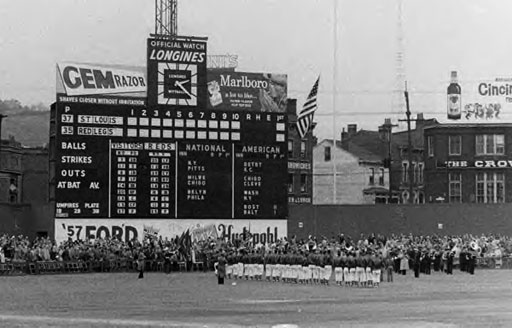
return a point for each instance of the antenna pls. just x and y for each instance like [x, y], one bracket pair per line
[166, 18]
[398, 105]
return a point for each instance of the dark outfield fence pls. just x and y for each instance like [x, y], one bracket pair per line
[56, 267]
[75, 267]
[425, 219]
[26, 219]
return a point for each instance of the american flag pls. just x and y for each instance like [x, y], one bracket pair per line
[305, 119]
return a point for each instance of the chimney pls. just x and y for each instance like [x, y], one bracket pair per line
[352, 129]
[420, 121]
[344, 139]
[382, 133]
[291, 106]
[384, 129]
[344, 135]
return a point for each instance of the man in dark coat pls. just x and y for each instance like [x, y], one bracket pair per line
[416, 258]
[141, 263]
[449, 263]
[472, 255]
[221, 268]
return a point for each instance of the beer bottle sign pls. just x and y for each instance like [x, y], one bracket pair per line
[454, 99]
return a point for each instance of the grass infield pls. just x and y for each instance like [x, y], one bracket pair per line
[195, 300]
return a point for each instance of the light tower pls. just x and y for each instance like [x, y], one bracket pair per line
[398, 102]
[166, 18]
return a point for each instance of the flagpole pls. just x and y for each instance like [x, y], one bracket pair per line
[334, 92]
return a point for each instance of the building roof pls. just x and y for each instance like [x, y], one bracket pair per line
[469, 126]
[369, 140]
[376, 190]
[361, 153]
[401, 138]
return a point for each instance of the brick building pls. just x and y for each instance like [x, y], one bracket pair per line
[23, 173]
[10, 171]
[391, 154]
[360, 178]
[400, 179]
[468, 163]
[300, 168]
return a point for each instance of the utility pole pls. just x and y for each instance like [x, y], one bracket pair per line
[409, 143]
[2, 116]
[388, 127]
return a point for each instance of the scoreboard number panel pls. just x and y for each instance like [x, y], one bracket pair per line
[153, 162]
[204, 180]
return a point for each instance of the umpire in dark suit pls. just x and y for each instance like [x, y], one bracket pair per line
[221, 268]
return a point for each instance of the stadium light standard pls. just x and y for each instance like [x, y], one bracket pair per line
[2, 116]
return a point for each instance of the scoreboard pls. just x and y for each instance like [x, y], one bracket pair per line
[130, 161]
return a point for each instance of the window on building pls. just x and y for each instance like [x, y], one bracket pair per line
[421, 170]
[500, 144]
[303, 183]
[421, 198]
[290, 183]
[13, 190]
[327, 154]
[405, 172]
[430, 146]
[405, 196]
[490, 144]
[454, 145]
[490, 187]
[415, 171]
[372, 176]
[455, 188]
[381, 176]
[290, 148]
[303, 149]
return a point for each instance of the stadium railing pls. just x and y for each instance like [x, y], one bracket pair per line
[129, 265]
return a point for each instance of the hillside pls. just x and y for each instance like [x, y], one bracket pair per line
[28, 124]
[31, 128]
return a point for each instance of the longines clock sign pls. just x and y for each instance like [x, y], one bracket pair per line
[177, 73]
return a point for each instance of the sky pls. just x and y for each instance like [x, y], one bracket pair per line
[351, 44]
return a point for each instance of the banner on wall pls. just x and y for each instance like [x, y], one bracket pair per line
[262, 231]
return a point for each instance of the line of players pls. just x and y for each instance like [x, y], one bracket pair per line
[369, 276]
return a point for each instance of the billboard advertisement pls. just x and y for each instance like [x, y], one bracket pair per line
[176, 73]
[262, 231]
[75, 79]
[119, 158]
[480, 99]
[254, 92]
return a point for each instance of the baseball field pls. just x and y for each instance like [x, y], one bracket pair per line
[195, 300]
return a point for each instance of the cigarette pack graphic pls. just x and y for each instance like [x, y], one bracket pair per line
[214, 93]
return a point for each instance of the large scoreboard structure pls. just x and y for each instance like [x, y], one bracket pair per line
[175, 149]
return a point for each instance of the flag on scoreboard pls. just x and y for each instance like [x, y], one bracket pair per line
[305, 119]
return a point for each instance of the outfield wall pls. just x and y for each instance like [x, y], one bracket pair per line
[327, 219]
[422, 219]
[26, 219]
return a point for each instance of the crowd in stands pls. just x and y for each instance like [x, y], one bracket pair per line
[321, 251]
